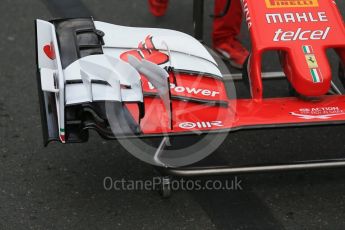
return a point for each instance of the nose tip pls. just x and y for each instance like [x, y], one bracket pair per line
[309, 71]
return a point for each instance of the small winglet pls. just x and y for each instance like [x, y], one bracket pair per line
[159, 79]
[87, 83]
[48, 80]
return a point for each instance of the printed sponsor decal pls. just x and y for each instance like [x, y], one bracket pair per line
[312, 64]
[300, 34]
[189, 90]
[247, 14]
[311, 60]
[201, 124]
[299, 17]
[49, 51]
[291, 3]
[147, 50]
[321, 113]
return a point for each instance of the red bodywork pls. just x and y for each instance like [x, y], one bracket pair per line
[240, 113]
[303, 30]
[293, 26]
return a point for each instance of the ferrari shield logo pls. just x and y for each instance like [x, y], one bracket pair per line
[311, 60]
[312, 64]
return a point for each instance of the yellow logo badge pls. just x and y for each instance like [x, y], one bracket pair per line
[311, 60]
[291, 3]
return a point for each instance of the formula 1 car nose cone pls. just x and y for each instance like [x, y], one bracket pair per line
[291, 26]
